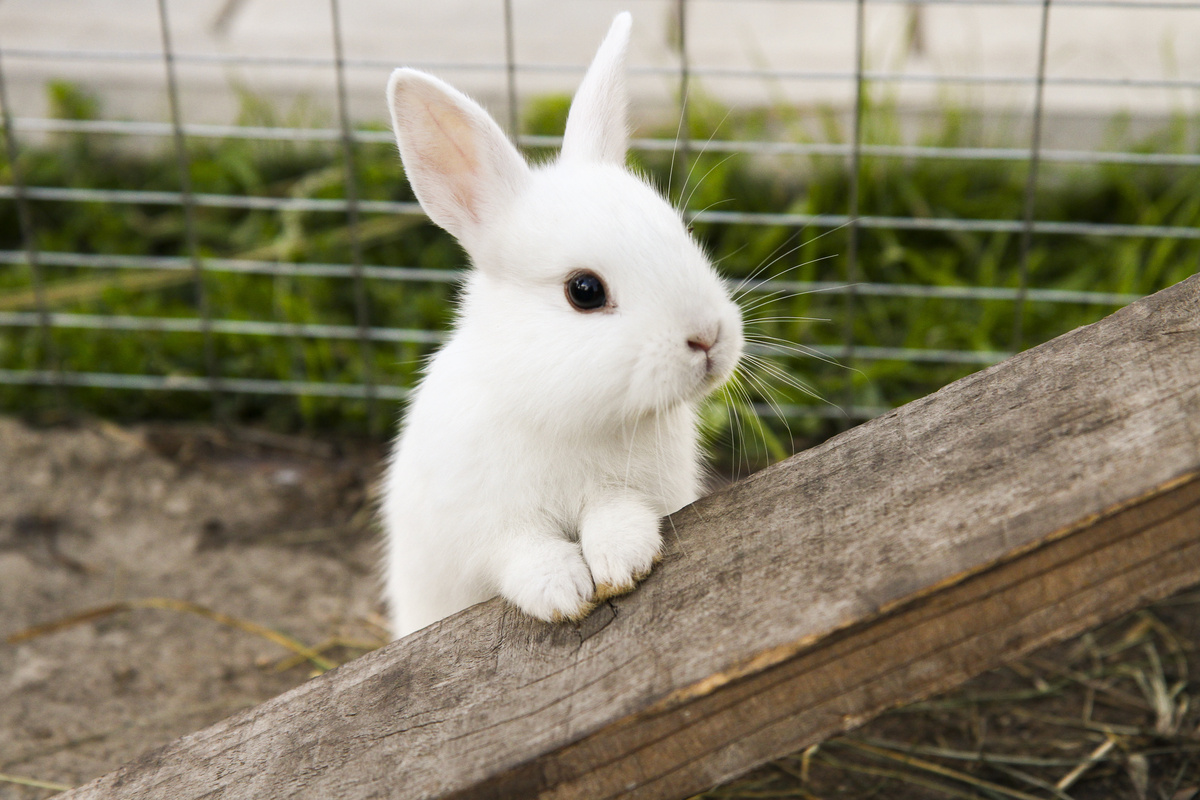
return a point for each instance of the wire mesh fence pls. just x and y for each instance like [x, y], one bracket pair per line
[280, 256]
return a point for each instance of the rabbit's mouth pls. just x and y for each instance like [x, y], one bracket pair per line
[720, 360]
[703, 348]
[713, 377]
[715, 354]
[717, 368]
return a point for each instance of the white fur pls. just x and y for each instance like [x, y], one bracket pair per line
[544, 444]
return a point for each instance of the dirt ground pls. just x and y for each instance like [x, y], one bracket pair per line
[269, 529]
[139, 539]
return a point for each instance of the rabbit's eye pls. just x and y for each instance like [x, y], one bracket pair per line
[585, 291]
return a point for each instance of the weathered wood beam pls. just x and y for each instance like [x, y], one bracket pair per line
[1016, 507]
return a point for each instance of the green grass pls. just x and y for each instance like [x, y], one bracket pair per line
[919, 188]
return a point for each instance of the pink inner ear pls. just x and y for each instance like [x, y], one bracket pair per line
[461, 166]
[454, 154]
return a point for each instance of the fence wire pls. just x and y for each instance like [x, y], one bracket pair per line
[195, 263]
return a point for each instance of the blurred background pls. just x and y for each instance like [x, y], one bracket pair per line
[203, 220]
[202, 215]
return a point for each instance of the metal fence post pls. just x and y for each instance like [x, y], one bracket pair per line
[189, 213]
[50, 361]
[362, 310]
[510, 73]
[1035, 153]
[853, 202]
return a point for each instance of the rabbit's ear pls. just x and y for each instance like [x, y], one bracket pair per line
[462, 167]
[597, 125]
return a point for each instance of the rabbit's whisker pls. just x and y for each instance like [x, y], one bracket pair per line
[675, 145]
[717, 262]
[736, 423]
[750, 284]
[773, 259]
[696, 160]
[770, 370]
[801, 350]
[777, 296]
[752, 417]
[713, 205]
[734, 416]
[768, 396]
[787, 318]
[700, 183]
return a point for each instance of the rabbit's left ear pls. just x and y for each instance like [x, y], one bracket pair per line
[460, 165]
[597, 125]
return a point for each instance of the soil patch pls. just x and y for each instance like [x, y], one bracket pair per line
[160, 530]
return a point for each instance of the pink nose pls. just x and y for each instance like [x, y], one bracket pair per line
[698, 343]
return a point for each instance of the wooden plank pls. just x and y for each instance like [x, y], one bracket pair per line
[1016, 507]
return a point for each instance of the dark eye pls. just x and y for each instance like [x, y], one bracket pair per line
[586, 291]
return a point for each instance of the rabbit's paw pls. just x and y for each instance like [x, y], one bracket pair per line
[621, 543]
[549, 580]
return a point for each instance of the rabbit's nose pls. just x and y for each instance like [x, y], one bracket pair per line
[702, 343]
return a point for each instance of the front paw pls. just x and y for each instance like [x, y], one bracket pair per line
[621, 543]
[550, 582]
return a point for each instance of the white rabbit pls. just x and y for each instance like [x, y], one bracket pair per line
[558, 423]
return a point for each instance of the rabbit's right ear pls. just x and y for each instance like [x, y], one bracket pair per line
[462, 167]
[597, 124]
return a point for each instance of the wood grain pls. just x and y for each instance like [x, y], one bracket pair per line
[1016, 507]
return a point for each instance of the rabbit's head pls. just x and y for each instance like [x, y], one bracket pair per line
[589, 300]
